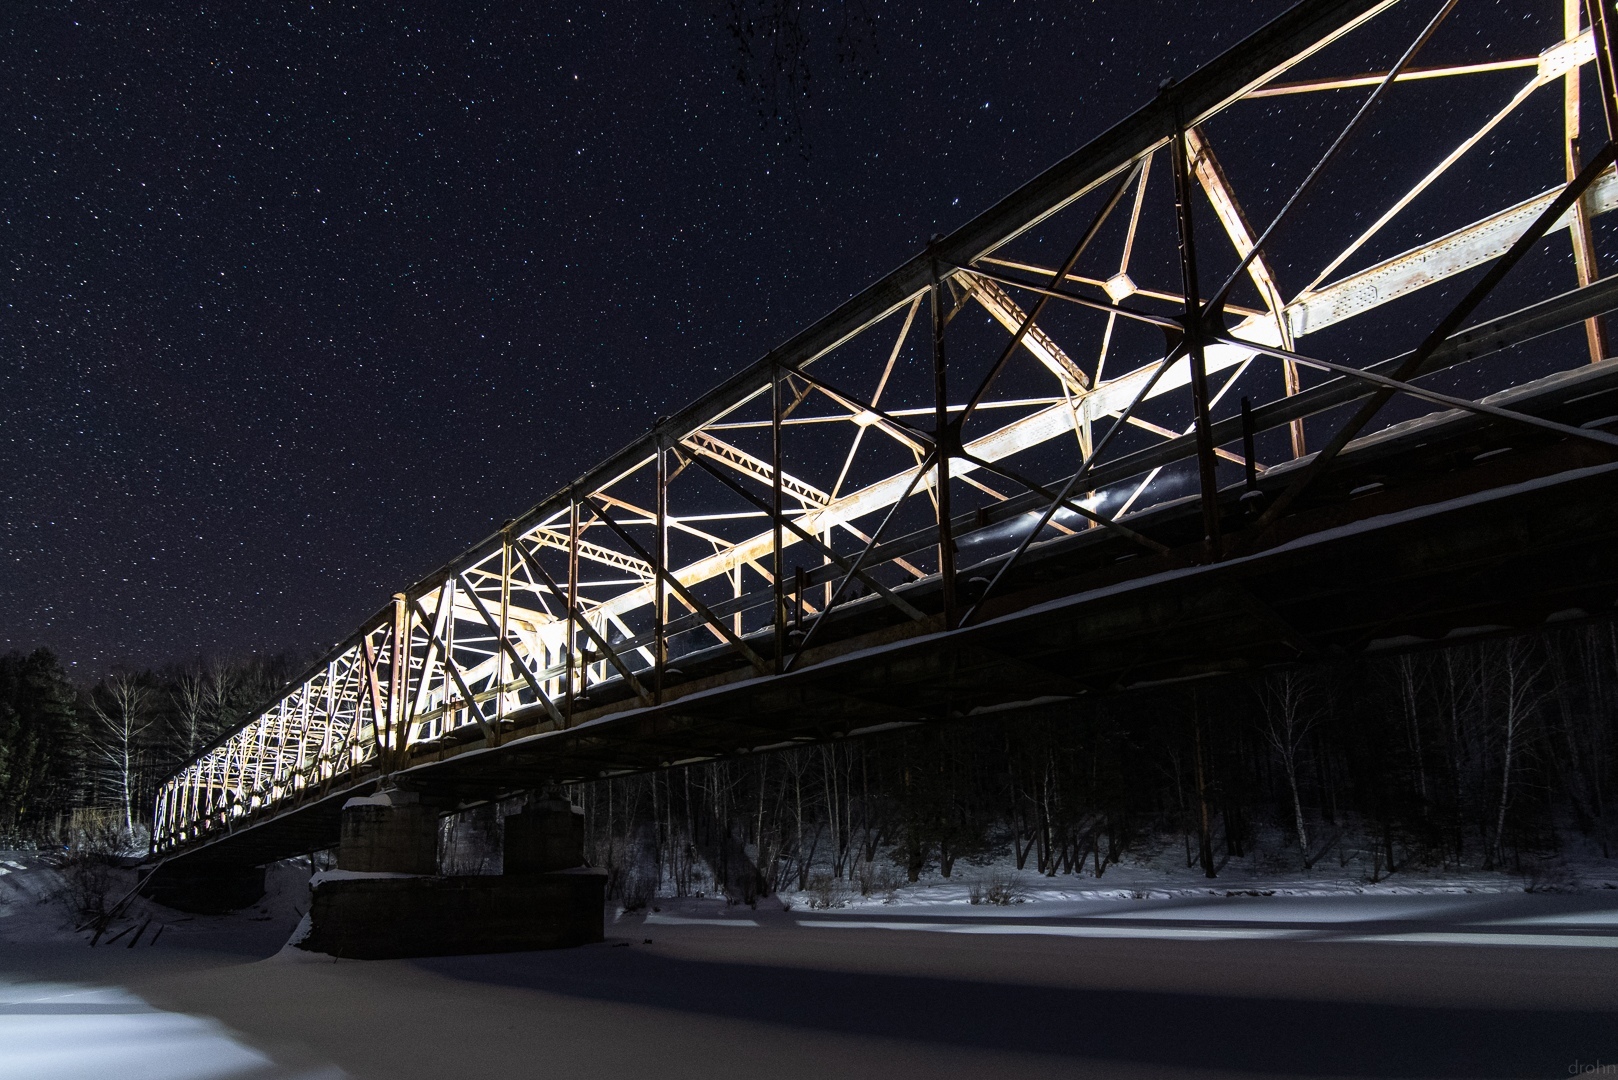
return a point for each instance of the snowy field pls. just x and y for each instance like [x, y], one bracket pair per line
[1251, 977]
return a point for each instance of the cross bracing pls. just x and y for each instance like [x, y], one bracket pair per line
[1189, 302]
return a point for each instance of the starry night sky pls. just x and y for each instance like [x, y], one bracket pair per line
[302, 299]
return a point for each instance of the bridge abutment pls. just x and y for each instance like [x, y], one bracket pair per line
[387, 900]
[204, 889]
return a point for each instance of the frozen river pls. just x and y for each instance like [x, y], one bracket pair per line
[1507, 984]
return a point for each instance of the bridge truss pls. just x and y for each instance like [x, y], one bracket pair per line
[1161, 347]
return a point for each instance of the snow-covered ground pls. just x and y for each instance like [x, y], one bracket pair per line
[1347, 863]
[973, 886]
[1129, 976]
[1452, 917]
[66, 1011]
[33, 910]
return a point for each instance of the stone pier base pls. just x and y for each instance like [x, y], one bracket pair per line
[380, 918]
[387, 900]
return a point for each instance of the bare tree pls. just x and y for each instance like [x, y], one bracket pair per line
[798, 765]
[1463, 694]
[1407, 694]
[1204, 822]
[218, 691]
[121, 709]
[1514, 671]
[190, 696]
[769, 841]
[1289, 716]
[837, 765]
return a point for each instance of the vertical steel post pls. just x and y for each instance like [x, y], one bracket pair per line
[1584, 252]
[505, 622]
[331, 720]
[775, 518]
[660, 559]
[208, 800]
[260, 729]
[448, 716]
[572, 602]
[1601, 32]
[1292, 383]
[398, 685]
[1249, 458]
[1194, 341]
[159, 819]
[945, 435]
[303, 729]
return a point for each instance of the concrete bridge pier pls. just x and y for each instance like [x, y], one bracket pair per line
[546, 837]
[391, 832]
[386, 899]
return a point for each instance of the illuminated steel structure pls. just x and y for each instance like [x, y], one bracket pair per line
[1131, 370]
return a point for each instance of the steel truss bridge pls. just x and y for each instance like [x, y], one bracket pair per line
[1303, 358]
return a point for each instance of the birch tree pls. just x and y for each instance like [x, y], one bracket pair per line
[1516, 676]
[218, 691]
[1289, 716]
[122, 716]
[190, 696]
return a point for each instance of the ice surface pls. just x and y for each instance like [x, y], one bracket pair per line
[1168, 933]
[1574, 918]
[1582, 941]
[657, 919]
[914, 981]
[51, 1031]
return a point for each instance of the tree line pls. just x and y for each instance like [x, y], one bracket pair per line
[107, 745]
[1493, 754]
